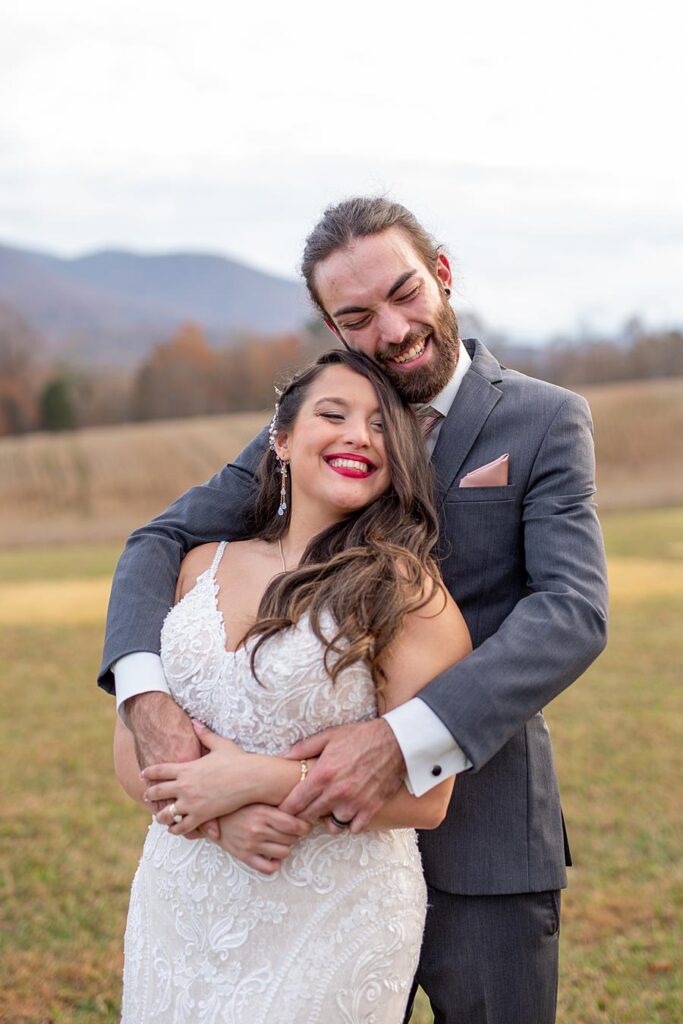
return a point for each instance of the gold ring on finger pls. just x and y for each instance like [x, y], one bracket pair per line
[177, 818]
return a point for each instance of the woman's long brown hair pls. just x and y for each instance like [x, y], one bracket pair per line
[372, 568]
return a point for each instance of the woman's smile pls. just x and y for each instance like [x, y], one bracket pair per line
[350, 464]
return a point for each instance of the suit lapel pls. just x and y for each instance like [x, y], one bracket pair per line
[471, 407]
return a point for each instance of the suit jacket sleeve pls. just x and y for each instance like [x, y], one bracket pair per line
[559, 626]
[146, 574]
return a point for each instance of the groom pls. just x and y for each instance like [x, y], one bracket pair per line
[522, 555]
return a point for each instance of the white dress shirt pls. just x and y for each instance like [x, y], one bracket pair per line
[430, 752]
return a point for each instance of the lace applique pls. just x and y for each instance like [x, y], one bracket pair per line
[335, 934]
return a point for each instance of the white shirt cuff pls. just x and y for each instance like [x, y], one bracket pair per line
[430, 752]
[141, 672]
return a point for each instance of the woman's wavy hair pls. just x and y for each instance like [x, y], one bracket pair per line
[376, 565]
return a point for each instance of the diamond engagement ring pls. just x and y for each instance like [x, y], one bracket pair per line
[174, 811]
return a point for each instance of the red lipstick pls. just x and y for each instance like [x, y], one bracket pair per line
[350, 471]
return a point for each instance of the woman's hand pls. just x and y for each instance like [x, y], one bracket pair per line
[209, 787]
[261, 836]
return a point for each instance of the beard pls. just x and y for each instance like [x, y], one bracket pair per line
[425, 382]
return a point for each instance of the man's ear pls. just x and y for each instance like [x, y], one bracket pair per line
[442, 269]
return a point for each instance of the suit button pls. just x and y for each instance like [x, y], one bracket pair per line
[436, 770]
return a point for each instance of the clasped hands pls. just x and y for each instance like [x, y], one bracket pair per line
[353, 769]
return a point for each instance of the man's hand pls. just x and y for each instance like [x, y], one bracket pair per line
[164, 732]
[359, 767]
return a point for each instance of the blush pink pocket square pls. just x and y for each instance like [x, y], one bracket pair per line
[493, 474]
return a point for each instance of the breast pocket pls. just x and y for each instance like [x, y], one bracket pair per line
[481, 547]
[457, 495]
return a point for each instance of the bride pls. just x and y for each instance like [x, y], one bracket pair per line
[331, 613]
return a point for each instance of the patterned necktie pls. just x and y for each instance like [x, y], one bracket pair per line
[427, 418]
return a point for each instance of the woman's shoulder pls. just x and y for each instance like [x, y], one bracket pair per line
[195, 562]
[198, 559]
[239, 549]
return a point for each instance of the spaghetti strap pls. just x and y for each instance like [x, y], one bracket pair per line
[217, 558]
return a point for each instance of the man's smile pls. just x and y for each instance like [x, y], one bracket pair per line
[412, 355]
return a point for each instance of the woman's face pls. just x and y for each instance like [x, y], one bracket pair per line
[335, 449]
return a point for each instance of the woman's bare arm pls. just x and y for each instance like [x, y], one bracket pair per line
[126, 765]
[431, 640]
[223, 781]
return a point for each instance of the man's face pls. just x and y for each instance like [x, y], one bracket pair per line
[384, 301]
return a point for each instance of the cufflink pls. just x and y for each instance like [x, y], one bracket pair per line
[436, 770]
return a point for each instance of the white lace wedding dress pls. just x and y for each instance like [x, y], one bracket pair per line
[334, 935]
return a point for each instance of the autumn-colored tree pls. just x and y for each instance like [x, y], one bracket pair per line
[176, 380]
[186, 377]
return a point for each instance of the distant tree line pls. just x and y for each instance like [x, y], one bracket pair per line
[639, 354]
[185, 376]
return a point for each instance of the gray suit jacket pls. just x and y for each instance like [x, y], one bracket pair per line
[526, 565]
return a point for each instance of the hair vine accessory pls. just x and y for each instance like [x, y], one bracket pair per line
[272, 434]
[272, 429]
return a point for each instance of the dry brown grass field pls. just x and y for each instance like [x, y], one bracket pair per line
[100, 483]
[69, 839]
[638, 443]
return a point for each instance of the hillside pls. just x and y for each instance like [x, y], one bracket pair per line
[114, 306]
[638, 443]
[102, 482]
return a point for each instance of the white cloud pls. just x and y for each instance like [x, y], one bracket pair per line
[541, 142]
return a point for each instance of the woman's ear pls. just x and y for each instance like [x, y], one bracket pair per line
[282, 446]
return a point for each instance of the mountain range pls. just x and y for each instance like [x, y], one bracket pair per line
[111, 307]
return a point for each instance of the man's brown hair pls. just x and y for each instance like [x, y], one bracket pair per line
[358, 218]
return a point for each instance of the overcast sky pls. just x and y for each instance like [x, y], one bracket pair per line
[540, 142]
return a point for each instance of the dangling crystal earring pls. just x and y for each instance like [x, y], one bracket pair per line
[282, 507]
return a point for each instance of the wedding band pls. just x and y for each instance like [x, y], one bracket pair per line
[338, 823]
[176, 817]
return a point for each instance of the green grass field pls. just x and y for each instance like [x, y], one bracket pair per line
[69, 840]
